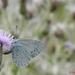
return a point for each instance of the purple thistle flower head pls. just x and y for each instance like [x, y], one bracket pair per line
[68, 44]
[6, 40]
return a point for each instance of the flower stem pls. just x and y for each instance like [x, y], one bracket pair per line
[0, 56]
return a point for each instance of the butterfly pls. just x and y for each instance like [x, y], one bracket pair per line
[22, 50]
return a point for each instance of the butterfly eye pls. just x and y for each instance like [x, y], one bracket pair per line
[14, 37]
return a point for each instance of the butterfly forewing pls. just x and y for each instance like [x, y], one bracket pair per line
[33, 47]
[20, 56]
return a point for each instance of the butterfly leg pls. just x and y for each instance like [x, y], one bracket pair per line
[7, 52]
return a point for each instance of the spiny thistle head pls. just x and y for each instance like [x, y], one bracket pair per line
[6, 40]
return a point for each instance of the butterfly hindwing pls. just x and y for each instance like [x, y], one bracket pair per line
[20, 56]
[33, 47]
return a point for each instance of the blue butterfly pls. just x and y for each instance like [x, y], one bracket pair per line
[23, 50]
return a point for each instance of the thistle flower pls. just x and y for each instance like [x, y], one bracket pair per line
[68, 44]
[6, 40]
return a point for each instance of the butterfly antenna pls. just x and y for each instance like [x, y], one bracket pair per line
[16, 31]
[9, 28]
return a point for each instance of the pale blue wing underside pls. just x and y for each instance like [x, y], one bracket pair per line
[20, 56]
[33, 47]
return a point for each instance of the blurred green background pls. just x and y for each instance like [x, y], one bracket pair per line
[50, 21]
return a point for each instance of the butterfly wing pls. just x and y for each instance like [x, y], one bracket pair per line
[20, 56]
[33, 47]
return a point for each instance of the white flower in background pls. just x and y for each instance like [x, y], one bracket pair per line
[44, 66]
[13, 10]
[38, 2]
[31, 7]
[34, 5]
[70, 7]
[1, 3]
[55, 69]
[66, 0]
[61, 26]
